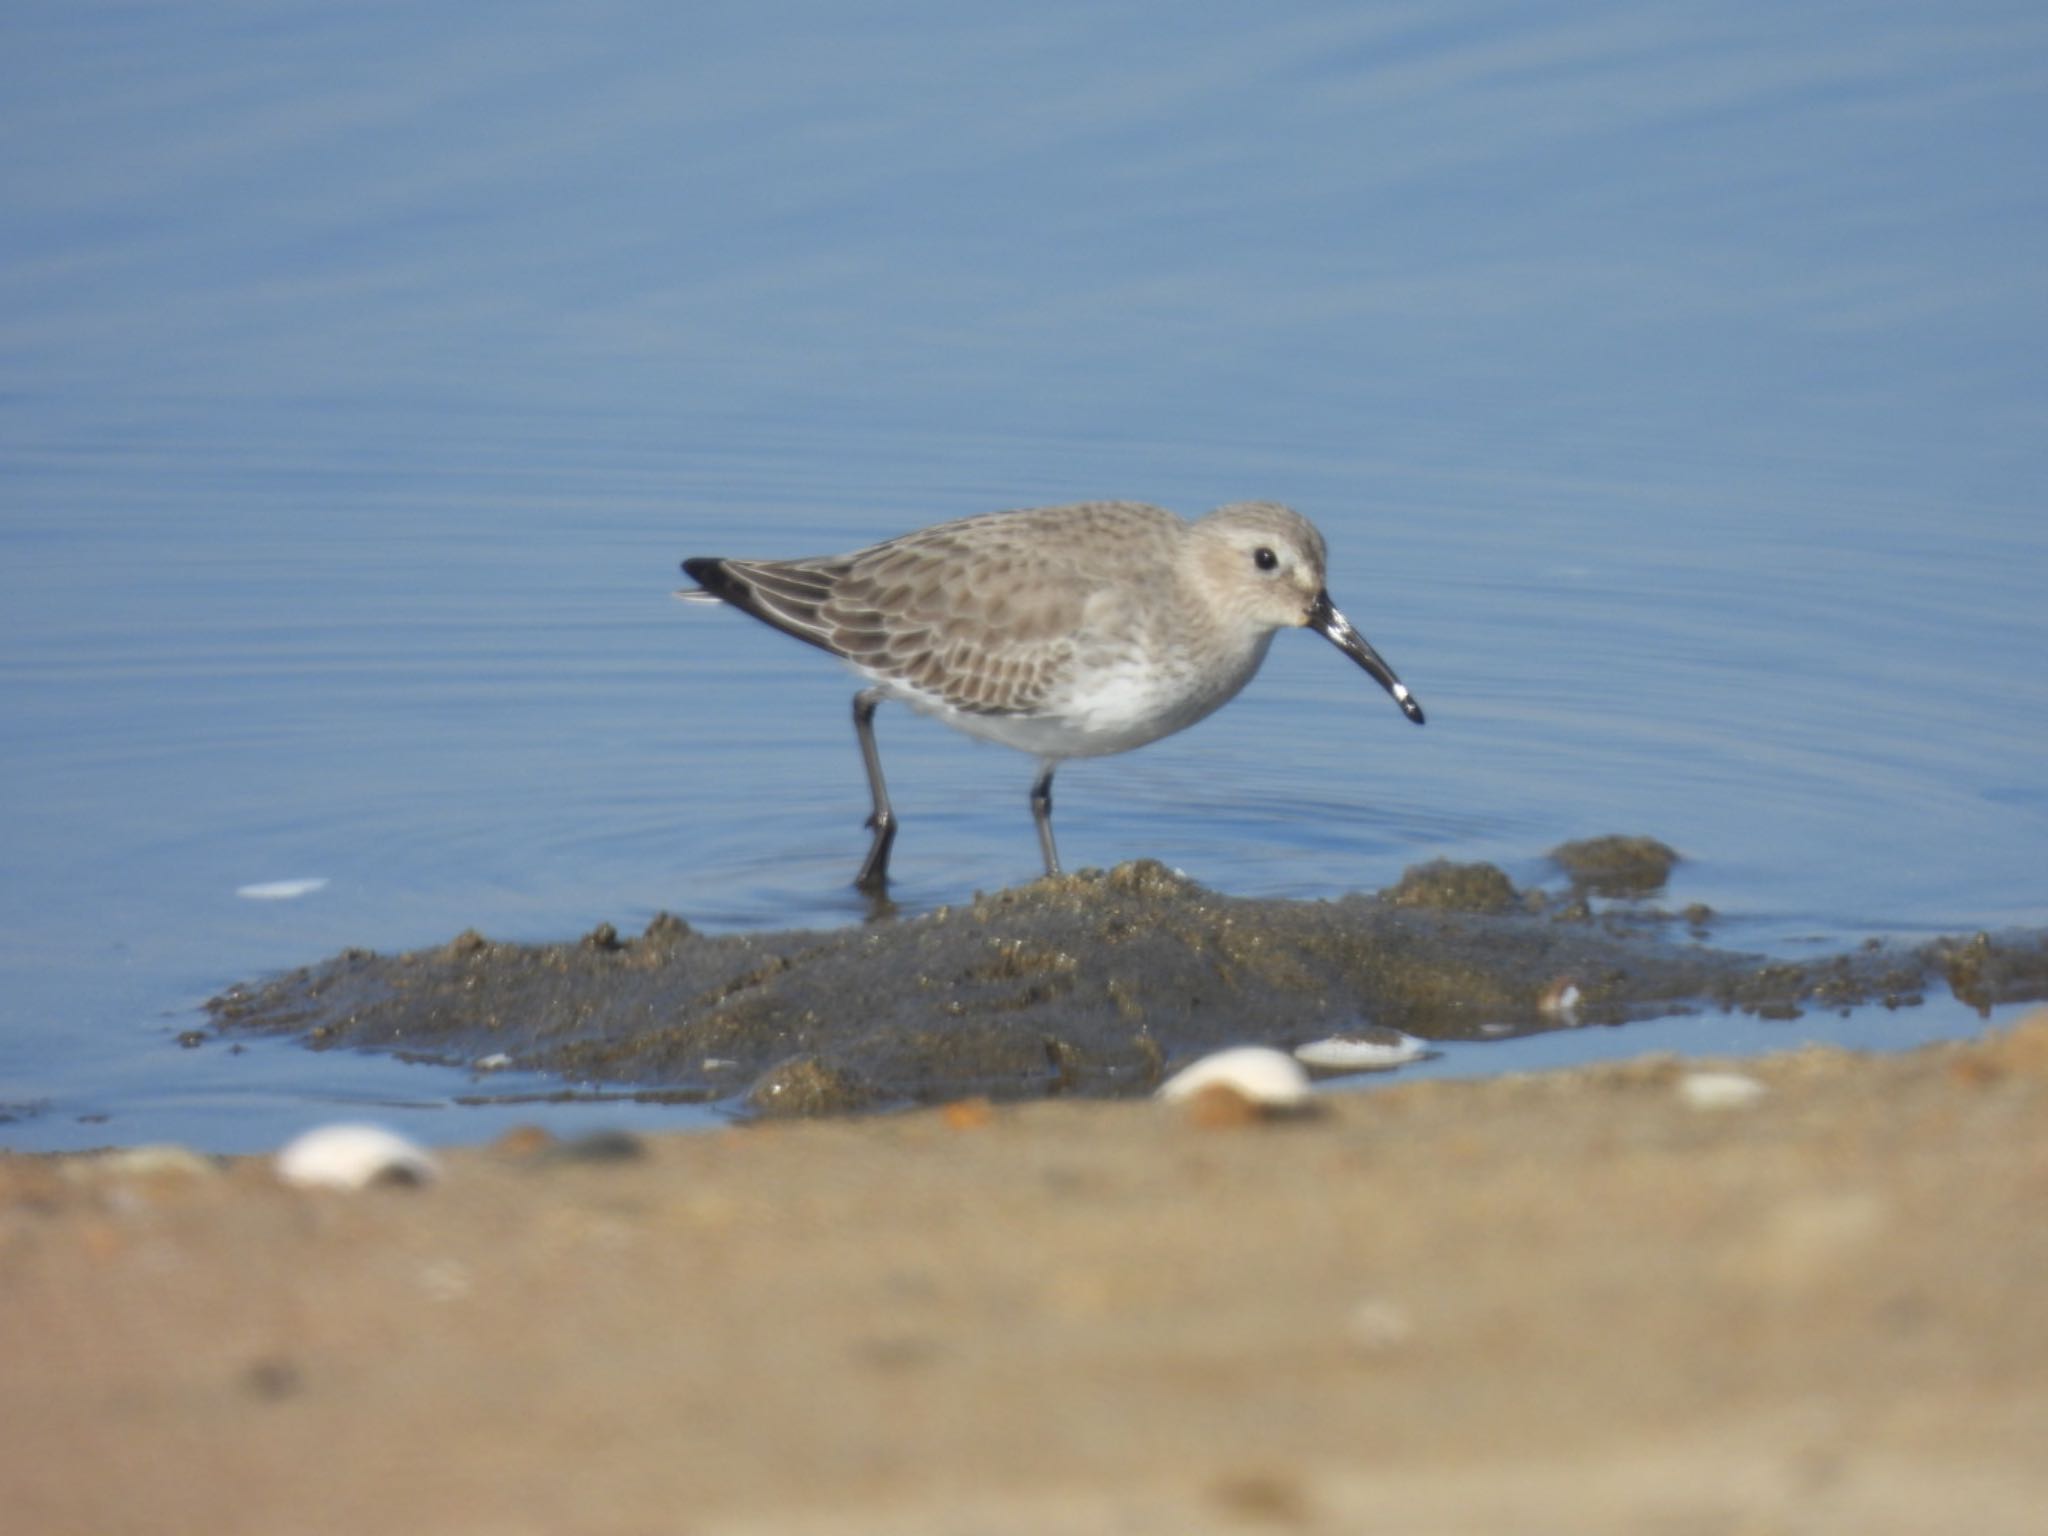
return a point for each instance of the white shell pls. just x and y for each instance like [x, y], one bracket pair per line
[1256, 1072]
[353, 1157]
[1362, 1052]
[1719, 1090]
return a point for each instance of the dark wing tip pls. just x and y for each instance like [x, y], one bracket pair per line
[710, 574]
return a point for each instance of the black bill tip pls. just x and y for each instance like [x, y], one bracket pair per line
[1326, 621]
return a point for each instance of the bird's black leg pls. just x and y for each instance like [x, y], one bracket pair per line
[874, 869]
[1041, 812]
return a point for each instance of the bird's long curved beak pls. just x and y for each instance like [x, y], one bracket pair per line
[1326, 621]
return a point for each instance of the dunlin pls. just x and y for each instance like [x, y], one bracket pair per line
[1061, 631]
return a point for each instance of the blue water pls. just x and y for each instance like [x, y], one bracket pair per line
[1671, 383]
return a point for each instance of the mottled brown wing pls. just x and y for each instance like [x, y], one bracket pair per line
[981, 614]
[986, 614]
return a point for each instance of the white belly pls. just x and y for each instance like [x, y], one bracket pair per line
[1113, 706]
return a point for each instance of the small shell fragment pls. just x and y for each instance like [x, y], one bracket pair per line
[151, 1160]
[350, 1156]
[1719, 1090]
[1258, 1074]
[1363, 1050]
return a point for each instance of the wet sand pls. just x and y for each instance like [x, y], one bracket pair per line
[1564, 1302]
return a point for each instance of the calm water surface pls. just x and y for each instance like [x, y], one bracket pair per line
[1670, 390]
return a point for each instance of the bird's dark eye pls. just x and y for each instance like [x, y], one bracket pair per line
[1264, 558]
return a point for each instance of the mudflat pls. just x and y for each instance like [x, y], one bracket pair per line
[1095, 984]
[1620, 1298]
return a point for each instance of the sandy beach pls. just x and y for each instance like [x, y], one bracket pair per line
[1599, 1300]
